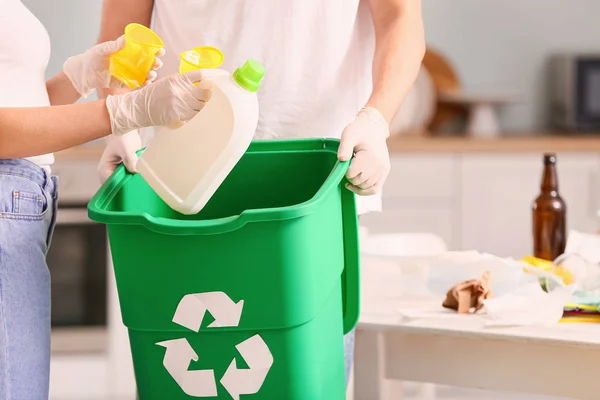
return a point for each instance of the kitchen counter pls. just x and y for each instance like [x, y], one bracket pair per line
[406, 144]
[512, 144]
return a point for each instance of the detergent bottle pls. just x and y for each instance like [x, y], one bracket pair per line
[186, 166]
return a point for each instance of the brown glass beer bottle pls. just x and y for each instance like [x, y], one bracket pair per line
[549, 215]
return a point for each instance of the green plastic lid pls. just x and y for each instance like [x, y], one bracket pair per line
[249, 75]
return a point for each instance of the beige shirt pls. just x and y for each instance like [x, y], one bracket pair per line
[318, 57]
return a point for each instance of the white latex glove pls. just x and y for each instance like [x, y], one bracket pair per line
[365, 139]
[123, 148]
[119, 149]
[90, 70]
[167, 102]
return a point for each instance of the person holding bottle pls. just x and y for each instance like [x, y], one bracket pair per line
[36, 119]
[336, 68]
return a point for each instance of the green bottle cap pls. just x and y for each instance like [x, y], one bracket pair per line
[249, 75]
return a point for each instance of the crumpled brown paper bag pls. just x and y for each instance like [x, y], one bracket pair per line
[469, 294]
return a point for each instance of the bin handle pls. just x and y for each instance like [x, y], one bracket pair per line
[351, 273]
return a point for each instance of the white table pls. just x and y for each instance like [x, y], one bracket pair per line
[458, 350]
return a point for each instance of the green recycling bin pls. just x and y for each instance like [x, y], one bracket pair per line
[251, 297]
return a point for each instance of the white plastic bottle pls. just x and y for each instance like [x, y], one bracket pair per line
[187, 165]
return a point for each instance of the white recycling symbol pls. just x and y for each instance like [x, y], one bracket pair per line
[179, 353]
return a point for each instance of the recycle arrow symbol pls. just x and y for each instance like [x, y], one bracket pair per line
[192, 308]
[255, 352]
[178, 355]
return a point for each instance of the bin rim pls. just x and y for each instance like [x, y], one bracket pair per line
[97, 206]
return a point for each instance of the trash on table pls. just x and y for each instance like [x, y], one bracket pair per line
[523, 294]
[469, 294]
[527, 305]
[448, 268]
[552, 267]
[584, 244]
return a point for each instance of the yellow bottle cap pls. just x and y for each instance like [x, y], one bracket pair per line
[200, 57]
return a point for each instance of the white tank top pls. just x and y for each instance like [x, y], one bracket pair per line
[24, 55]
[317, 54]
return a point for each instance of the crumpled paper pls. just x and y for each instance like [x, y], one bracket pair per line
[469, 294]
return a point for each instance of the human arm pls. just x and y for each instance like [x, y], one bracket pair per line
[83, 73]
[399, 50]
[61, 91]
[30, 131]
[26, 132]
[89, 71]
[116, 14]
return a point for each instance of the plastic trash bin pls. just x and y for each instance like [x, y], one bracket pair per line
[252, 296]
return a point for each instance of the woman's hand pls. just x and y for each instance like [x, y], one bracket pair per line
[169, 101]
[90, 70]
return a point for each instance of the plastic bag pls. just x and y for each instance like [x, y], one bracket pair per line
[449, 268]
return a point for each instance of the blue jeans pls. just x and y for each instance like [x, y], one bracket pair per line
[27, 217]
[349, 352]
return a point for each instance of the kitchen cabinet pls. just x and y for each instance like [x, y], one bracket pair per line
[418, 197]
[497, 192]
[413, 219]
[422, 176]
[482, 200]
[496, 196]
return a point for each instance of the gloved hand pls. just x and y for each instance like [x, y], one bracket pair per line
[167, 102]
[365, 139]
[90, 70]
[123, 148]
[119, 149]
